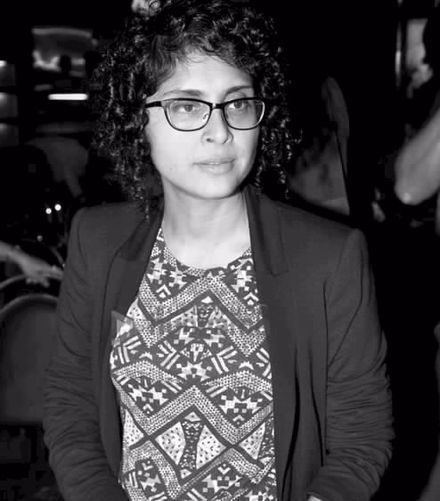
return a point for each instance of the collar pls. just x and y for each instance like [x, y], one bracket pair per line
[266, 239]
[266, 232]
[140, 243]
[264, 226]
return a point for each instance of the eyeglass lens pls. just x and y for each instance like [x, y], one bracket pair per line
[193, 114]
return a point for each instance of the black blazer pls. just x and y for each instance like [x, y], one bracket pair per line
[331, 400]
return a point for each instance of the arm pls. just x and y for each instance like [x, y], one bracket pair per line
[358, 413]
[71, 421]
[417, 168]
[35, 269]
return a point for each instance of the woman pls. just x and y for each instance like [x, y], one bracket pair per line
[213, 343]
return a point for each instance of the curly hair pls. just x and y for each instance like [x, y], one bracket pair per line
[145, 53]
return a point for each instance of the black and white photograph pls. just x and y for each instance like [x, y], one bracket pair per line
[220, 250]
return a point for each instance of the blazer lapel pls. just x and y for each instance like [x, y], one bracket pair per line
[278, 306]
[123, 282]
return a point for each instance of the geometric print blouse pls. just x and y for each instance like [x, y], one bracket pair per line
[192, 372]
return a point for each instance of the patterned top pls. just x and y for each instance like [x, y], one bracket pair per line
[193, 376]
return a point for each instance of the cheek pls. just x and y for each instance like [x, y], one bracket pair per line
[167, 150]
[250, 146]
[252, 151]
[256, 141]
[153, 136]
[157, 138]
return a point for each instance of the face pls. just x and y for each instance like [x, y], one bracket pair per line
[212, 162]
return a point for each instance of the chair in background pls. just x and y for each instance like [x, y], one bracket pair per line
[27, 340]
[17, 286]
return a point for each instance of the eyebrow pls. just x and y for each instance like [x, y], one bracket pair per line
[199, 93]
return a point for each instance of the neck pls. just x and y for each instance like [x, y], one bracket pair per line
[206, 233]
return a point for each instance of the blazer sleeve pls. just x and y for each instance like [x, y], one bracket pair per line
[358, 411]
[71, 424]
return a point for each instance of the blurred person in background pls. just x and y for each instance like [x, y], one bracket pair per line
[417, 172]
[318, 174]
[417, 165]
[27, 236]
[425, 98]
[35, 269]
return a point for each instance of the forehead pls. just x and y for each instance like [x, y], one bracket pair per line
[205, 74]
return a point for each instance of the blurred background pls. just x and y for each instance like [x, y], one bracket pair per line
[48, 51]
[357, 69]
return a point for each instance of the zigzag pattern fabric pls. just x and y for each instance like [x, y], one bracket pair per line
[192, 371]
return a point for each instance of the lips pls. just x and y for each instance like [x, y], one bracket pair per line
[215, 161]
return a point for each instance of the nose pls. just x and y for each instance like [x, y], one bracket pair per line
[216, 130]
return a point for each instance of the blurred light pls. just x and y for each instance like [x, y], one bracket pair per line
[62, 30]
[3, 63]
[8, 135]
[57, 207]
[50, 63]
[40, 238]
[68, 96]
[8, 105]
[48, 210]
[42, 87]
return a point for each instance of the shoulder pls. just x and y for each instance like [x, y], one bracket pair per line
[312, 241]
[302, 223]
[107, 224]
[107, 214]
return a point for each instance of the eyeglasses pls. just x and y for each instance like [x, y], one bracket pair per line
[186, 114]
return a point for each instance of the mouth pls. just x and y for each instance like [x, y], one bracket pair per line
[214, 162]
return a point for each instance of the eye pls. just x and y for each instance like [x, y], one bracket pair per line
[239, 105]
[186, 107]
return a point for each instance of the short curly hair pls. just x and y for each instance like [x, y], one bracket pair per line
[145, 53]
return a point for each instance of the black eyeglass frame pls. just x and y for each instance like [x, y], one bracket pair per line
[165, 104]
